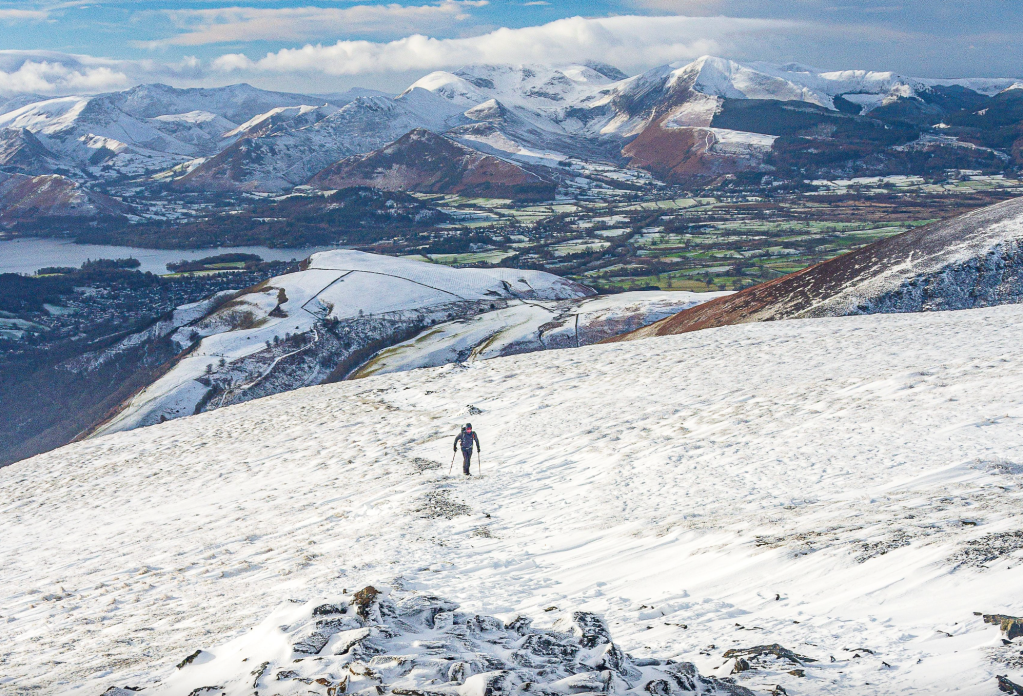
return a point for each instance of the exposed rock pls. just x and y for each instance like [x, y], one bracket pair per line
[438, 503]
[1009, 687]
[205, 691]
[419, 645]
[364, 599]
[751, 655]
[312, 644]
[258, 674]
[420, 464]
[590, 628]
[1011, 626]
[990, 547]
[327, 609]
[190, 659]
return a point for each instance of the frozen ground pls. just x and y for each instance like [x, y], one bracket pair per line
[529, 325]
[847, 488]
[234, 349]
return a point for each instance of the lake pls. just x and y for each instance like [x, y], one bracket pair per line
[29, 254]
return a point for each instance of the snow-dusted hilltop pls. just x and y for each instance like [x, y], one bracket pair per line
[679, 121]
[53, 196]
[349, 313]
[145, 128]
[526, 326]
[319, 323]
[973, 260]
[829, 506]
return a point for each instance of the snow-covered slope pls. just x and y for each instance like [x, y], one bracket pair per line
[22, 153]
[973, 260]
[846, 488]
[293, 151]
[302, 328]
[235, 103]
[143, 128]
[524, 326]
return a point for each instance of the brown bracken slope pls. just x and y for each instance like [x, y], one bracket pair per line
[425, 162]
[968, 261]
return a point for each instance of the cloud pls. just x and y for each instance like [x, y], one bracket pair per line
[236, 24]
[52, 72]
[45, 76]
[23, 15]
[627, 41]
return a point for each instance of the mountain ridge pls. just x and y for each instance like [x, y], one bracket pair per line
[973, 260]
[425, 162]
[567, 111]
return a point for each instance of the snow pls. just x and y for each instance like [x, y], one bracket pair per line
[709, 489]
[725, 78]
[697, 111]
[741, 142]
[525, 326]
[539, 114]
[407, 639]
[283, 113]
[339, 285]
[542, 88]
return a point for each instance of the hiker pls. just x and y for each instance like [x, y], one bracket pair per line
[466, 437]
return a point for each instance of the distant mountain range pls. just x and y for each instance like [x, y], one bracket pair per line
[683, 123]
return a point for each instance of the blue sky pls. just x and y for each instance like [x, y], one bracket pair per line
[316, 45]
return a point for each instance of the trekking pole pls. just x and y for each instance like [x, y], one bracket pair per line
[479, 463]
[455, 454]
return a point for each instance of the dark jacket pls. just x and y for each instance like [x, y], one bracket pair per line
[467, 438]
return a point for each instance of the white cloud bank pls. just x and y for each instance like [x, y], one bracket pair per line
[627, 41]
[52, 72]
[630, 42]
[48, 74]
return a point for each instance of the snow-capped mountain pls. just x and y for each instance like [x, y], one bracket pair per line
[292, 151]
[973, 260]
[21, 152]
[707, 498]
[681, 122]
[148, 127]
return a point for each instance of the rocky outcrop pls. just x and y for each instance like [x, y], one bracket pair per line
[1011, 626]
[410, 644]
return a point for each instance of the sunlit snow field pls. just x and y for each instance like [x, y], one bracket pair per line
[830, 485]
